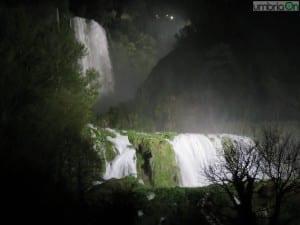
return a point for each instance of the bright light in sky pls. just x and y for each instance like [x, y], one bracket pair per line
[171, 17]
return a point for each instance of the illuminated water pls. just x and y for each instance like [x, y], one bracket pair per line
[124, 164]
[93, 36]
[193, 154]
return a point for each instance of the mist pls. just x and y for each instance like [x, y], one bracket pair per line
[213, 70]
[134, 55]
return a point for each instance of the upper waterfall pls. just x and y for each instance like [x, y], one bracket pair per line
[93, 36]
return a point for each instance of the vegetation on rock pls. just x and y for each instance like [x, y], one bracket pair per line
[156, 159]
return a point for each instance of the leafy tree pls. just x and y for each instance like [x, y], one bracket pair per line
[46, 102]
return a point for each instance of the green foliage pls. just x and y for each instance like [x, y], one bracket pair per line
[167, 135]
[156, 159]
[46, 102]
[92, 84]
[101, 145]
[110, 152]
[160, 170]
[176, 205]
[227, 142]
[123, 118]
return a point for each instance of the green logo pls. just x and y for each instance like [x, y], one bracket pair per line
[271, 6]
[291, 6]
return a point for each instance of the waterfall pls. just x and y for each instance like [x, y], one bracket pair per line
[93, 36]
[124, 164]
[195, 152]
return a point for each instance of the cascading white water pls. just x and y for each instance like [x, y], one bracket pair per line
[93, 36]
[195, 152]
[124, 164]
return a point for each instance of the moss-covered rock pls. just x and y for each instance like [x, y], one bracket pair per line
[167, 135]
[102, 145]
[227, 142]
[156, 163]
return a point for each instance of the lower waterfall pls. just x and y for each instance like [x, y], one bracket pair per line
[193, 154]
[124, 164]
[196, 152]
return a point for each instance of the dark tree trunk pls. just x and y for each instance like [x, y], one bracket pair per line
[275, 215]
